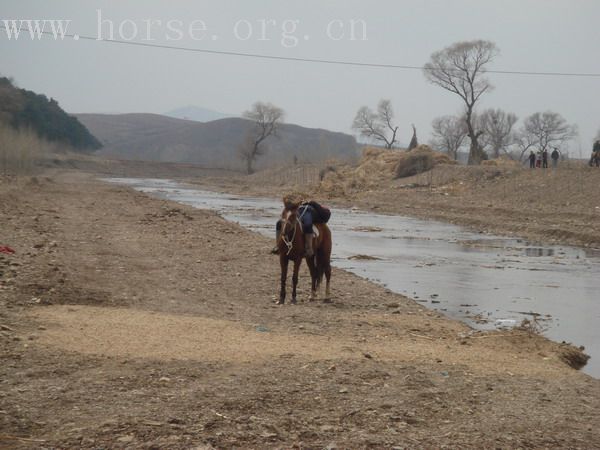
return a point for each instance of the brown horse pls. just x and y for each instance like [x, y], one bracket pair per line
[291, 248]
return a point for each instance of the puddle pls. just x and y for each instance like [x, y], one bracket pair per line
[485, 281]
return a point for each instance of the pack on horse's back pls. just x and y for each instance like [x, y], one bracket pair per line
[323, 212]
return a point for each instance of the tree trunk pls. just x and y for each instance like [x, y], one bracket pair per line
[476, 153]
[496, 151]
[249, 169]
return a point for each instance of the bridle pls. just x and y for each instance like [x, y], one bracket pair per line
[289, 243]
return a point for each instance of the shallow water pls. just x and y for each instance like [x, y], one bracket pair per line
[486, 281]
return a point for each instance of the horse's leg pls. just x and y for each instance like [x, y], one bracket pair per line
[310, 262]
[318, 272]
[328, 278]
[297, 263]
[327, 244]
[283, 262]
[319, 263]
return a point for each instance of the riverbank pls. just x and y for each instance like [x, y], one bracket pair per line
[129, 321]
[544, 206]
[557, 207]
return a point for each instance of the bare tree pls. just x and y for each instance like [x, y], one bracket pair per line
[267, 118]
[544, 131]
[497, 128]
[460, 69]
[377, 125]
[449, 134]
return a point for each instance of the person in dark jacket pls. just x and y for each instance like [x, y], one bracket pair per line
[595, 154]
[532, 160]
[555, 155]
[545, 159]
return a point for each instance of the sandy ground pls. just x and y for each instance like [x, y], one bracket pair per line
[132, 322]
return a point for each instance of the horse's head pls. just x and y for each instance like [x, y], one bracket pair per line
[289, 223]
[291, 230]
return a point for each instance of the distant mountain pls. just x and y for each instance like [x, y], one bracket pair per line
[196, 113]
[21, 108]
[154, 137]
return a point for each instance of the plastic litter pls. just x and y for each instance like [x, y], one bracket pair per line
[506, 322]
[6, 249]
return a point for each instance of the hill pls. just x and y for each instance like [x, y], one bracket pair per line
[196, 113]
[23, 109]
[153, 137]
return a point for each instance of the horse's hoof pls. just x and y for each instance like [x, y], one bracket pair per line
[327, 300]
[280, 302]
[294, 302]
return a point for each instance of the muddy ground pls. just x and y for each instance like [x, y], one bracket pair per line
[133, 322]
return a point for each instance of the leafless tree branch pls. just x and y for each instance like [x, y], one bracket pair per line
[377, 125]
[266, 118]
[544, 131]
[449, 134]
[460, 69]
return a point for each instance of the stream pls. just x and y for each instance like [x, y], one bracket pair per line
[484, 280]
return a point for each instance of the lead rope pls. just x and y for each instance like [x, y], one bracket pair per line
[298, 219]
[289, 244]
[303, 212]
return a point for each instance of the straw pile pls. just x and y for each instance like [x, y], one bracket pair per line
[379, 165]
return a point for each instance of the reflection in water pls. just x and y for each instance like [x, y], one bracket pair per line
[482, 280]
[539, 251]
[592, 253]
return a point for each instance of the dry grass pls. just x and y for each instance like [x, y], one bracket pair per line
[533, 325]
[20, 151]
[573, 356]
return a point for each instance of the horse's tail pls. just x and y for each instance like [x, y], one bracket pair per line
[320, 269]
[323, 254]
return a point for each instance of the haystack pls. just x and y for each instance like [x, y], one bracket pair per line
[419, 160]
[379, 165]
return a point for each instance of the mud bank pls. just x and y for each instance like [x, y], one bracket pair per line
[98, 267]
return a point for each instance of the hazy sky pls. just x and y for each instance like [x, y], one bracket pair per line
[93, 76]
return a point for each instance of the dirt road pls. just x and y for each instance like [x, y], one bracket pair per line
[131, 322]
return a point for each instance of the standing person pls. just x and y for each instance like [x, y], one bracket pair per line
[545, 159]
[538, 159]
[555, 155]
[532, 160]
[596, 153]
